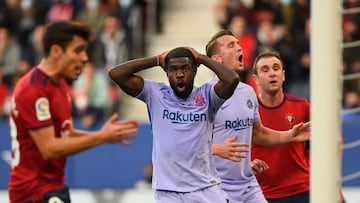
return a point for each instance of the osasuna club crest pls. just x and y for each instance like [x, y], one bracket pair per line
[290, 118]
[249, 103]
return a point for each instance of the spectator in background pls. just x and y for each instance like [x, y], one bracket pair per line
[61, 10]
[33, 51]
[276, 36]
[299, 74]
[6, 16]
[353, 67]
[10, 55]
[111, 46]
[351, 105]
[29, 12]
[300, 14]
[94, 14]
[4, 98]
[222, 12]
[247, 39]
[91, 95]
[22, 68]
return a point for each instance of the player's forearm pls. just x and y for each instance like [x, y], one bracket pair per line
[124, 75]
[269, 137]
[63, 147]
[133, 66]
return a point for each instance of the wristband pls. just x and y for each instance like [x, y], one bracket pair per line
[157, 60]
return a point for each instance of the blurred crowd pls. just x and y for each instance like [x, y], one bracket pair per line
[120, 27]
[284, 25]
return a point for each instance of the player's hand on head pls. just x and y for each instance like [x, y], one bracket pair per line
[196, 55]
[162, 58]
[115, 131]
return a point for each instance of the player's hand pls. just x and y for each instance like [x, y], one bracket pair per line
[196, 55]
[115, 131]
[230, 149]
[162, 58]
[300, 132]
[259, 166]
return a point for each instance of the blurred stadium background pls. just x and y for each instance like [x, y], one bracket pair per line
[109, 173]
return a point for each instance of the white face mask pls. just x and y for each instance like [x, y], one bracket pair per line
[286, 2]
[125, 3]
[92, 4]
[26, 4]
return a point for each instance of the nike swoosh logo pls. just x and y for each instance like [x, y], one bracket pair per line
[224, 107]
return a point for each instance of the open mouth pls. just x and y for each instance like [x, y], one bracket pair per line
[240, 58]
[181, 85]
[273, 82]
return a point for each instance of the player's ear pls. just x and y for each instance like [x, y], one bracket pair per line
[255, 79]
[283, 72]
[56, 50]
[217, 58]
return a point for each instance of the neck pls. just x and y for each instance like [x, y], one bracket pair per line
[49, 68]
[271, 100]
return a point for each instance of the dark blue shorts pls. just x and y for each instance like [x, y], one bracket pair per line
[303, 197]
[61, 195]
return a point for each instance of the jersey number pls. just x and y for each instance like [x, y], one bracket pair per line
[15, 147]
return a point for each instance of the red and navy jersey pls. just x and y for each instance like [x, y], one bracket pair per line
[37, 102]
[289, 171]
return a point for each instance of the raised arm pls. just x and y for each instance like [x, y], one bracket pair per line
[228, 79]
[113, 131]
[268, 137]
[124, 74]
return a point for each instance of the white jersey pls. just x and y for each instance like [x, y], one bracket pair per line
[182, 136]
[236, 117]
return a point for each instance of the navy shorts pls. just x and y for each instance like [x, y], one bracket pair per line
[61, 195]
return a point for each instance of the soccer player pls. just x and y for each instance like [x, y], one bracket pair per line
[288, 176]
[182, 118]
[42, 132]
[239, 116]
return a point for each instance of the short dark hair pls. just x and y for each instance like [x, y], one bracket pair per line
[211, 46]
[265, 54]
[179, 52]
[62, 33]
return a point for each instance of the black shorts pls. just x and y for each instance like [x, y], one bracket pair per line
[61, 195]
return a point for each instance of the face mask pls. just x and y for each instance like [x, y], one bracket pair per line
[285, 2]
[26, 4]
[125, 3]
[92, 4]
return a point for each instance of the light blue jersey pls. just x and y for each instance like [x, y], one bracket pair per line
[236, 117]
[182, 136]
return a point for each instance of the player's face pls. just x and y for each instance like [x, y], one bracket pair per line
[230, 52]
[74, 58]
[271, 75]
[181, 73]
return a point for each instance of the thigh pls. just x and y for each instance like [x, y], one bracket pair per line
[255, 195]
[208, 195]
[168, 196]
